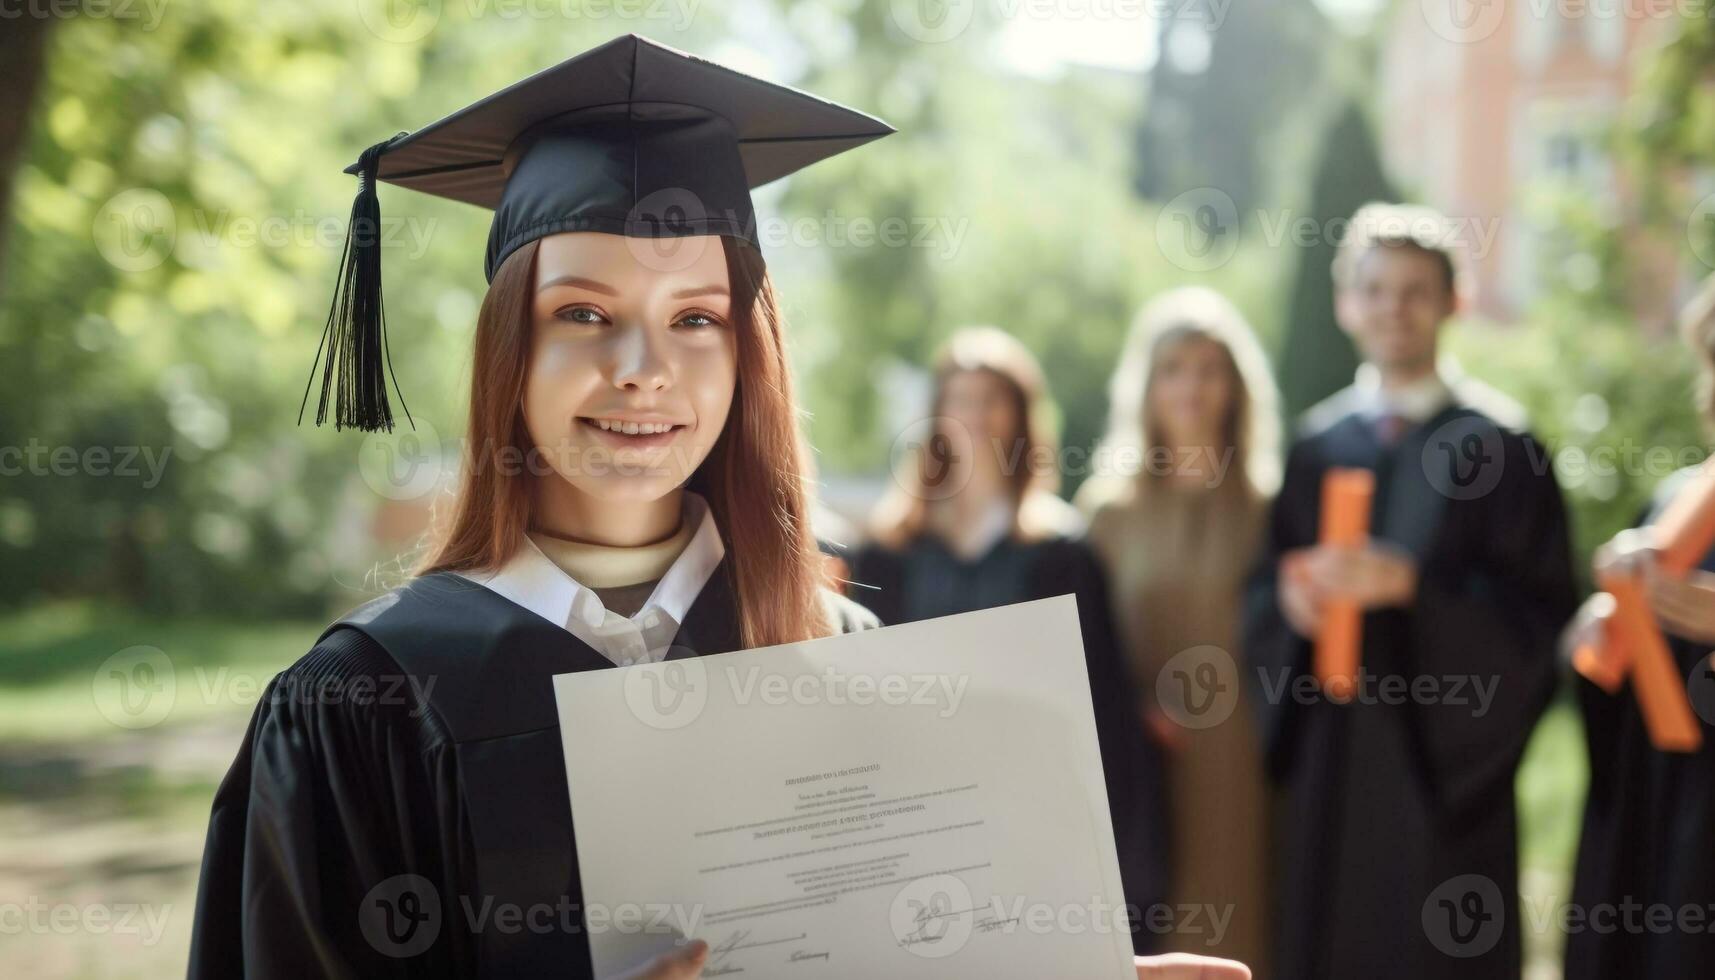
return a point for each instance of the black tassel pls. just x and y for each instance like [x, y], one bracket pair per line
[358, 364]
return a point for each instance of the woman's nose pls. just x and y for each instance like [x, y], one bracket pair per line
[638, 361]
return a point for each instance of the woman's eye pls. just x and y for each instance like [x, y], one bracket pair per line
[698, 320]
[580, 314]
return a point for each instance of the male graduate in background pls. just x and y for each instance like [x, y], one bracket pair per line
[1400, 855]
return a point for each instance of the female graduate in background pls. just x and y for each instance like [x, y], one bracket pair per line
[1648, 818]
[972, 522]
[631, 493]
[1176, 517]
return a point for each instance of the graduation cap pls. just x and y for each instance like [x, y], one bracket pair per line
[630, 138]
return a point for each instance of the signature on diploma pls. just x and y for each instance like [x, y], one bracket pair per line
[933, 918]
[720, 953]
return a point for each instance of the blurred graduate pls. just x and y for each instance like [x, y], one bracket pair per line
[1648, 844]
[1177, 506]
[972, 522]
[1399, 844]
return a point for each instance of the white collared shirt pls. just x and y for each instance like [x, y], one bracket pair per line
[532, 580]
[1417, 402]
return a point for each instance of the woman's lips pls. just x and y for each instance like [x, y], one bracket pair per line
[628, 433]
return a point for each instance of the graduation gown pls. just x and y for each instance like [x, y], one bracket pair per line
[399, 805]
[926, 580]
[1387, 807]
[1648, 839]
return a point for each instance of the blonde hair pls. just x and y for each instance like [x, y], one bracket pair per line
[1252, 425]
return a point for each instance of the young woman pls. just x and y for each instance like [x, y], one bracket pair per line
[631, 493]
[1175, 516]
[972, 522]
[1646, 842]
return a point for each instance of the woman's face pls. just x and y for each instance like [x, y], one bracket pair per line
[985, 418]
[632, 365]
[1191, 393]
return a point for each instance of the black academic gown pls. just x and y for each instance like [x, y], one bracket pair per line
[1649, 837]
[399, 806]
[1388, 807]
[926, 580]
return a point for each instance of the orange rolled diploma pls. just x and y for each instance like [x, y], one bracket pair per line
[1346, 496]
[1685, 531]
[1655, 678]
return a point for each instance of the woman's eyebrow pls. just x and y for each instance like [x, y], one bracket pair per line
[579, 281]
[710, 290]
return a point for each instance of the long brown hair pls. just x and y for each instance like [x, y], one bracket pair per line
[752, 477]
[902, 515]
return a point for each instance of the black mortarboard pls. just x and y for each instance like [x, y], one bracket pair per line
[630, 138]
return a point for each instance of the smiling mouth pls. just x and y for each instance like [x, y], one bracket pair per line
[632, 431]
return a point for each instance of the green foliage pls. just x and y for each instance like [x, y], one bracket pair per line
[1316, 359]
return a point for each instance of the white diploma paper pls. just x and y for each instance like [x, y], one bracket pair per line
[922, 800]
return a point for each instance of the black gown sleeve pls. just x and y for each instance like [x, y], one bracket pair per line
[1275, 655]
[334, 843]
[876, 577]
[1497, 619]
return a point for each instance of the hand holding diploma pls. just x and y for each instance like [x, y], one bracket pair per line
[1325, 589]
[1650, 575]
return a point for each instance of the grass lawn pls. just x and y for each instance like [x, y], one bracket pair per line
[102, 822]
[56, 671]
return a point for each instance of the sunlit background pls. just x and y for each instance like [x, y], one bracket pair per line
[170, 175]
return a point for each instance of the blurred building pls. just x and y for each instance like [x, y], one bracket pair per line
[1485, 105]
